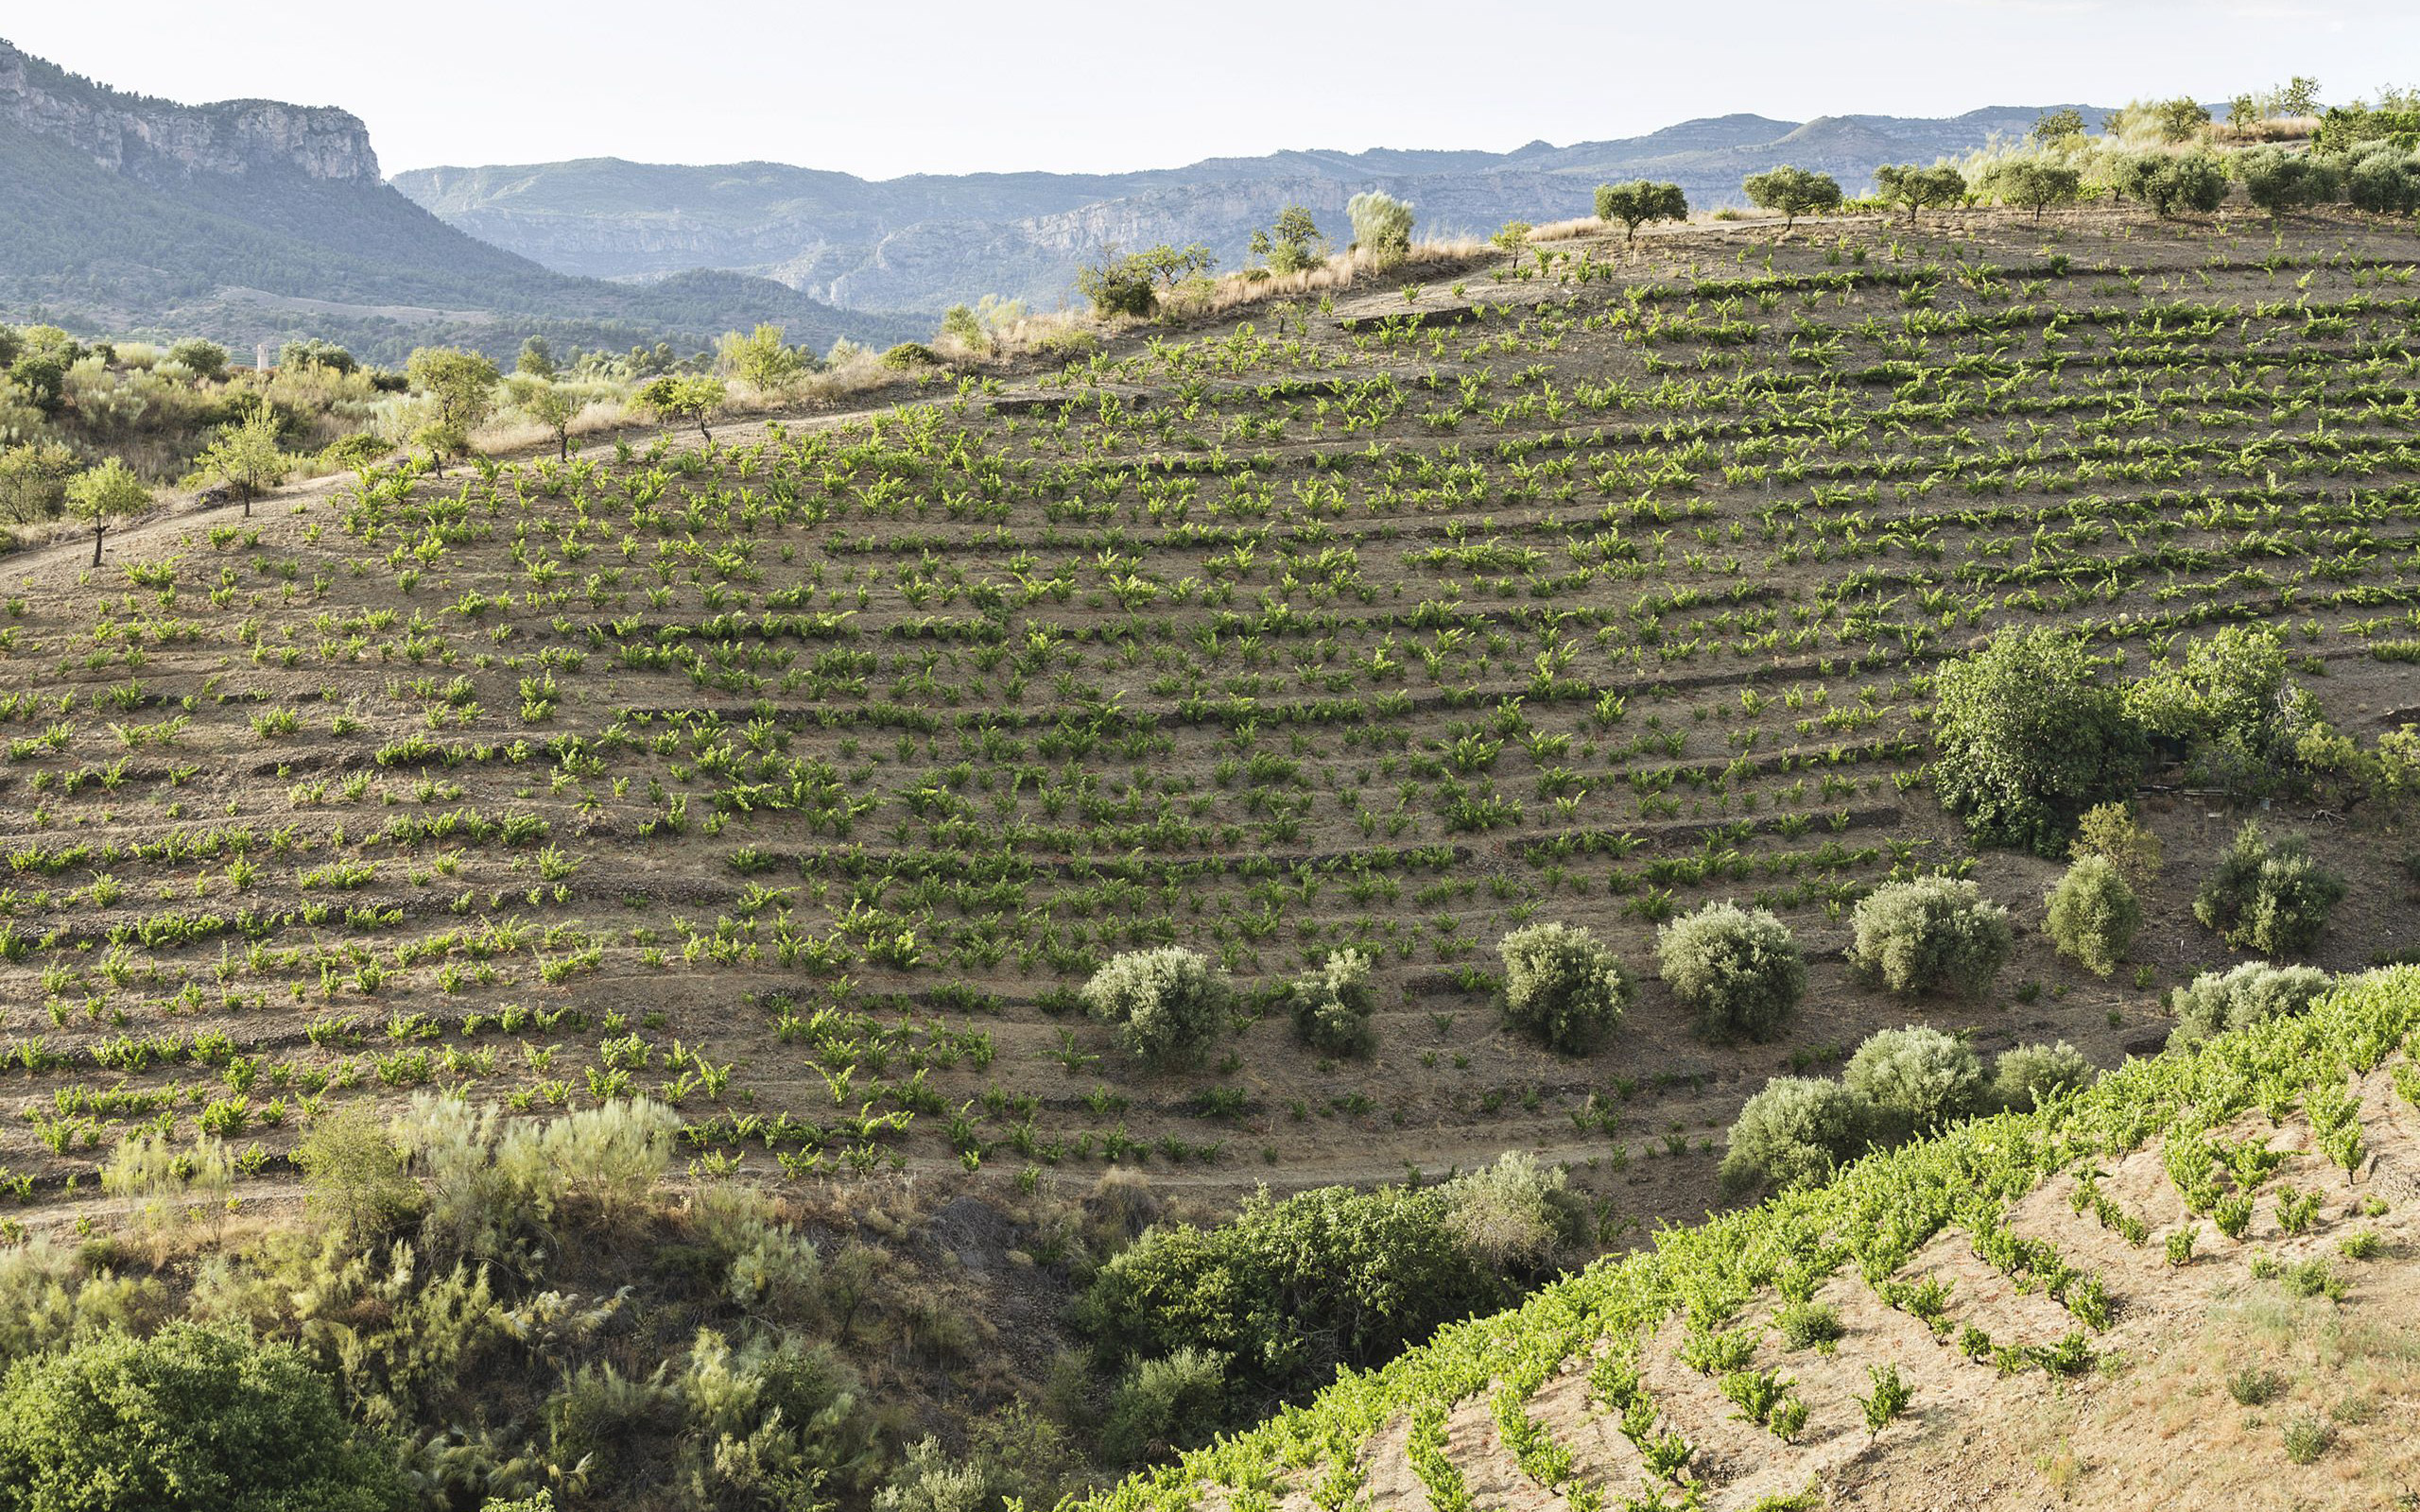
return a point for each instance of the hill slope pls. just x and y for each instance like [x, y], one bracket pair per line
[132, 213]
[2067, 1318]
[924, 241]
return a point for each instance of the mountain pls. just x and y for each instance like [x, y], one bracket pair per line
[255, 220]
[924, 241]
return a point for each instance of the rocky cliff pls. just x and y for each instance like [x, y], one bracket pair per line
[147, 138]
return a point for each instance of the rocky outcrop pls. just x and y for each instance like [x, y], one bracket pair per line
[142, 137]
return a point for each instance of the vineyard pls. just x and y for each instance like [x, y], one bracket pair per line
[799, 776]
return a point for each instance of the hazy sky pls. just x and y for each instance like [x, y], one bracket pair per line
[947, 86]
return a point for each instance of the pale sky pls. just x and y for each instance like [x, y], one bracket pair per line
[952, 86]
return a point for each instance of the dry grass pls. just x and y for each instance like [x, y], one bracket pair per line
[2276, 128]
[1342, 271]
[1564, 231]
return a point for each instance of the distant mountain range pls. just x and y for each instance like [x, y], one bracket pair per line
[927, 240]
[254, 221]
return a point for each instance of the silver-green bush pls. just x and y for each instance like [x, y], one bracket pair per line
[2093, 915]
[2216, 1002]
[1167, 1004]
[1562, 985]
[1930, 935]
[1381, 224]
[1738, 970]
[1916, 1078]
[2024, 1077]
[1793, 1133]
[1333, 1004]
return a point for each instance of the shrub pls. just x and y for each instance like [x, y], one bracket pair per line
[2026, 735]
[612, 1157]
[1516, 1216]
[2170, 182]
[1930, 935]
[1562, 985]
[1793, 191]
[2112, 832]
[908, 354]
[1133, 283]
[762, 1420]
[2229, 704]
[1640, 202]
[2280, 181]
[2024, 1077]
[1333, 1004]
[1167, 1004]
[1796, 1133]
[1017, 1454]
[1292, 244]
[353, 1173]
[2384, 180]
[2217, 1002]
[763, 359]
[1381, 224]
[1163, 1406]
[1739, 971]
[192, 1419]
[1916, 1078]
[2268, 896]
[205, 360]
[2093, 915]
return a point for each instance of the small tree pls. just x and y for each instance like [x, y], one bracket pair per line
[1739, 971]
[353, 1173]
[1904, 183]
[1796, 1133]
[2026, 1077]
[2034, 183]
[683, 396]
[537, 359]
[1333, 1004]
[1167, 1004]
[1916, 1078]
[1562, 985]
[2170, 182]
[2217, 1002]
[2026, 734]
[461, 384]
[2052, 128]
[1381, 225]
[1639, 202]
[205, 360]
[2282, 183]
[98, 495]
[2114, 832]
[1292, 244]
[1930, 935]
[2093, 915]
[555, 407]
[1118, 286]
[195, 1418]
[1793, 191]
[762, 359]
[2230, 704]
[2268, 896]
[246, 456]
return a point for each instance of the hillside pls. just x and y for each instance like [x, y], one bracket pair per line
[2188, 1286]
[133, 215]
[925, 241]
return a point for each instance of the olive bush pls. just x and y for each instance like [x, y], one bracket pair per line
[1796, 1133]
[1793, 191]
[2217, 1002]
[1738, 970]
[2170, 182]
[1639, 201]
[1167, 1004]
[2026, 733]
[2024, 1077]
[2093, 915]
[1333, 1004]
[1916, 1078]
[2268, 896]
[1930, 935]
[1562, 985]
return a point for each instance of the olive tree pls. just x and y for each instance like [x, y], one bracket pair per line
[246, 456]
[2282, 183]
[1796, 1133]
[1738, 970]
[100, 494]
[1916, 1078]
[1904, 183]
[2034, 183]
[1167, 1004]
[1562, 985]
[2170, 182]
[1930, 935]
[1640, 202]
[1793, 191]
[2026, 733]
[693, 396]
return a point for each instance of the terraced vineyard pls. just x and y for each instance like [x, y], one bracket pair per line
[798, 779]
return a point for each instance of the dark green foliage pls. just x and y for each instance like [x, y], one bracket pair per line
[1562, 985]
[1904, 183]
[1793, 191]
[1285, 1292]
[2383, 179]
[2268, 896]
[1131, 284]
[193, 1420]
[2093, 915]
[1794, 1132]
[1930, 935]
[1333, 1006]
[2170, 182]
[1162, 1406]
[1915, 1078]
[2281, 183]
[1292, 244]
[1640, 202]
[2034, 183]
[1739, 970]
[2028, 734]
[2230, 703]
[2216, 1002]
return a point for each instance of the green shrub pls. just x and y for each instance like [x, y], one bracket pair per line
[1793, 191]
[191, 1419]
[1167, 1004]
[2114, 832]
[2024, 1077]
[1381, 225]
[1292, 244]
[1117, 287]
[1516, 1216]
[1930, 935]
[2026, 734]
[1562, 985]
[2281, 183]
[1915, 1078]
[1796, 1133]
[1737, 970]
[1640, 202]
[908, 354]
[2216, 1002]
[2093, 915]
[1163, 1406]
[2170, 182]
[2384, 180]
[760, 1420]
[2268, 896]
[353, 1173]
[205, 360]
[2229, 703]
[1333, 1004]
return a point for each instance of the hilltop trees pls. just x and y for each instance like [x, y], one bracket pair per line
[1904, 183]
[1292, 244]
[1640, 202]
[109, 492]
[1793, 191]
